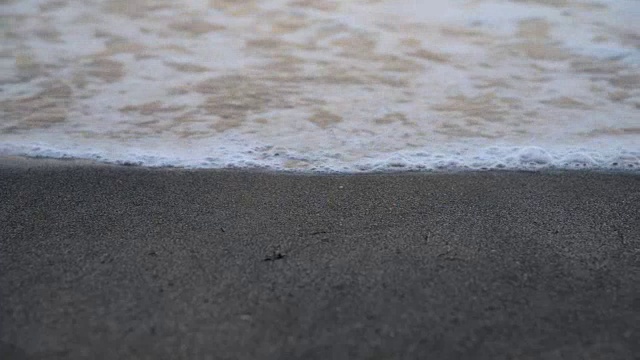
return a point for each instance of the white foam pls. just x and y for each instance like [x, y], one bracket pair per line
[361, 86]
[283, 159]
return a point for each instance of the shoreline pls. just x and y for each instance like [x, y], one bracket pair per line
[28, 162]
[126, 262]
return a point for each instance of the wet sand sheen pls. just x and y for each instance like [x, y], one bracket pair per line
[121, 262]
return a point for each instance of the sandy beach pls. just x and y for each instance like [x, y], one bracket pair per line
[116, 262]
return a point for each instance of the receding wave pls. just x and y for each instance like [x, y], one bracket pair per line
[310, 85]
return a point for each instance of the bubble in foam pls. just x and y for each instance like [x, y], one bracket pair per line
[578, 159]
[534, 155]
[397, 161]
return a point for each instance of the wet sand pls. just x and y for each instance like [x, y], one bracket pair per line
[108, 262]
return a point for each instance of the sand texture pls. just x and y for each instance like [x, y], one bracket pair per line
[102, 262]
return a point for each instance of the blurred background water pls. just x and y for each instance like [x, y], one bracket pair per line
[306, 85]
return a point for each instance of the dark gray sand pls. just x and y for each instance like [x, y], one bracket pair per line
[105, 262]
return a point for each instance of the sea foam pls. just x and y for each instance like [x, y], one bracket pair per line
[324, 86]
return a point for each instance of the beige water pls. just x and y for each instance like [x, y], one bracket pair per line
[359, 85]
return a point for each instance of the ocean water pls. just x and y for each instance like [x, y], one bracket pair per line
[322, 85]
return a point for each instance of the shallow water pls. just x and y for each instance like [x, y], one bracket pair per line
[362, 85]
